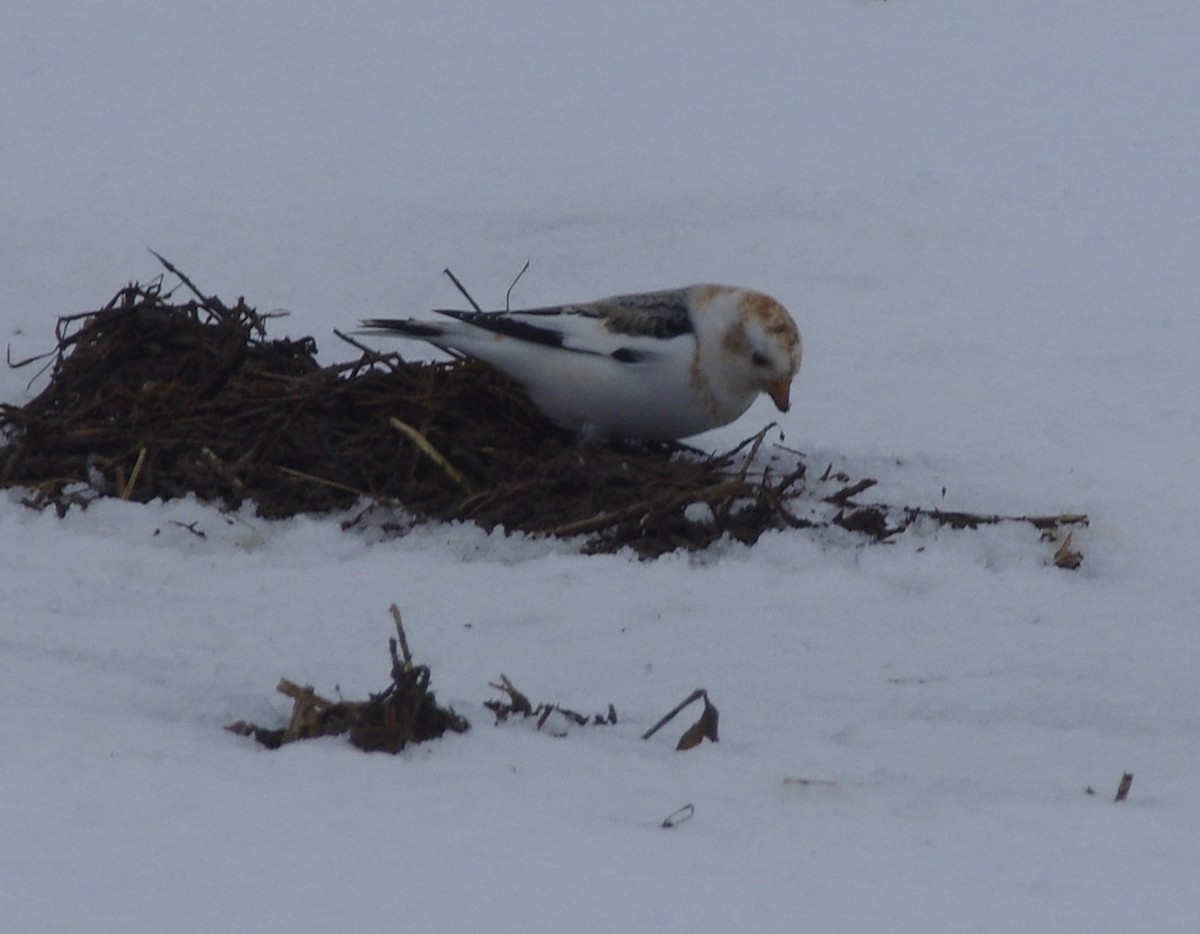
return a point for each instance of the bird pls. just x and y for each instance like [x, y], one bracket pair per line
[649, 366]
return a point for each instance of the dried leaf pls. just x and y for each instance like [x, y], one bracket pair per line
[1066, 556]
[704, 728]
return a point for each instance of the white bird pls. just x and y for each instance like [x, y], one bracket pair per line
[650, 366]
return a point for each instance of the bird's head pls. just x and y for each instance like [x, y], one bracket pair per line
[758, 343]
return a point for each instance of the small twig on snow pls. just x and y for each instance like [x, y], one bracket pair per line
[694, 696]
[678, 816]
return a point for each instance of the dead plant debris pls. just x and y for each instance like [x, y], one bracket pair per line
[678, 816]
[153, 397]
[404, 712]
[517, 704]
[1067, 556]
[704, 728]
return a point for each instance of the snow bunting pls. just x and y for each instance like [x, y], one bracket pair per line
[650, 366]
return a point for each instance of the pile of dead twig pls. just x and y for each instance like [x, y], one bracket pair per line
[151, 397]
[404, 712]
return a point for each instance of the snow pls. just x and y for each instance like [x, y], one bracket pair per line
[985, 218]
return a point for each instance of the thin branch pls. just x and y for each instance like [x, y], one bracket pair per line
[432, 453]
[843, 496]
[678, 816]
[208, 301]
[754, 441]
[403, 639]
[694, 696]
[332, 484]
[296, 692]
[592, 523]
[16, 365]
[970, 520]
[754, 448]
[191, 527]
[508, 294]
[368, 351]
[463, 289]
[518, 702]
[134, 474]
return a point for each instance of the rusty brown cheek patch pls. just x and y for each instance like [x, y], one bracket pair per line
[734, 341]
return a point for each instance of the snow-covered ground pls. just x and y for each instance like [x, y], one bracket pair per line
[985, 218]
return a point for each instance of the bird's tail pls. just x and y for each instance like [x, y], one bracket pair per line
[405, 326]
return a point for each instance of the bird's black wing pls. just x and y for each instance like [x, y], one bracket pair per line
[650, 316]
[644, 314]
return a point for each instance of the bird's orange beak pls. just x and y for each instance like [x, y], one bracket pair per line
[778, 390]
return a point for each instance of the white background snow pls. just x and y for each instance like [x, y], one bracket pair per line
[985, 218]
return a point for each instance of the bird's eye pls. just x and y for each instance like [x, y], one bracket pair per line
[758, 359]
